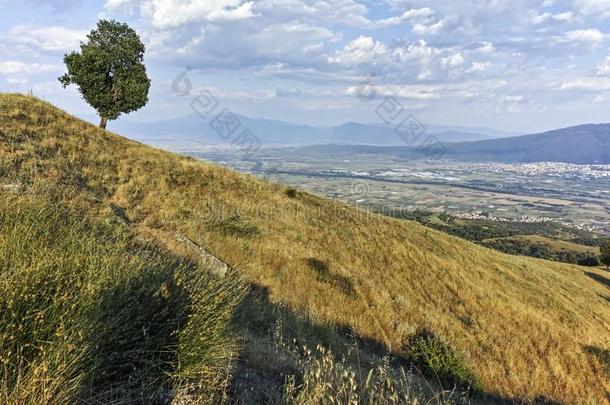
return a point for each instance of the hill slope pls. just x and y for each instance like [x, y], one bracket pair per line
[584, 144]
[523, 325]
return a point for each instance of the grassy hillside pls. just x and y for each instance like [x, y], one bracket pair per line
[526, 328]
[89, 312]
[549, 240]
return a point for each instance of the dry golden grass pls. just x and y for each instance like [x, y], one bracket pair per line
[521, 323]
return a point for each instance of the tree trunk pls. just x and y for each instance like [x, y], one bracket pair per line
[103, 122]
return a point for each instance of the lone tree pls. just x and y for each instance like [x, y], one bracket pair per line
[109, 70]
[605, 253]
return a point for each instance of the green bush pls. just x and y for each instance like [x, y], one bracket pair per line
[590, 261]
[235, 225]
[291, 192]
[437, 360]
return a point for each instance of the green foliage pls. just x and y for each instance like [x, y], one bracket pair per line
[590, 261]
[437, 359]
[90, 314]
[538, 250]
[235, 225]
[418, 215]
[109, 70]
[291, 192]
[502, 236]
[604, 250]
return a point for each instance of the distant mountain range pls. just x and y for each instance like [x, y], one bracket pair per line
[583, 144]
[192, 129]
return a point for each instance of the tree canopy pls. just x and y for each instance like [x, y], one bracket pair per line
[605, 253]
[109, 70]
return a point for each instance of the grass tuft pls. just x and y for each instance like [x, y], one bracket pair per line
[235, 225]
[90, 314]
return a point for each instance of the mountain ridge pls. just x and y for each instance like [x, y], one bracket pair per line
[584, 144]
[194, 129]
[581, 144]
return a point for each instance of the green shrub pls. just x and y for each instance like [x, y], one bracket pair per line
[437, 360]
[235, 225]
[291, 192]
[589, 261]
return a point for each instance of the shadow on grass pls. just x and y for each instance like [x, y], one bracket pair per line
[325, 275]
[134, 345]
[602, 355]
[265, 362]
[599, 278]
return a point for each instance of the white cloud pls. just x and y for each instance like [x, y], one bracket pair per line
[480, 66]
[593, 7]
[591, 36]
[465, 90]
[16, 67]
[486, 48]
[511, 103]
[454, 60]
[16, 80]
[124, 6]
[241, 12]
[408, 15]
[544, 17]
[237, 95]
[534, 47]
[587, 84]
[54, 38]
[360, 50]
[349, 12]
[433, 28]
[174, 13]
[603, 69]
[566, 16]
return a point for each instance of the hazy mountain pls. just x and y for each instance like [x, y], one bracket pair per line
[580, 144]
[379, 134]
[584, 144]
[192, 129]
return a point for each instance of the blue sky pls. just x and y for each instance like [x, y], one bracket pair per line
[517, 65]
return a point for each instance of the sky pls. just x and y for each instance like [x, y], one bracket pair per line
[515, 65]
